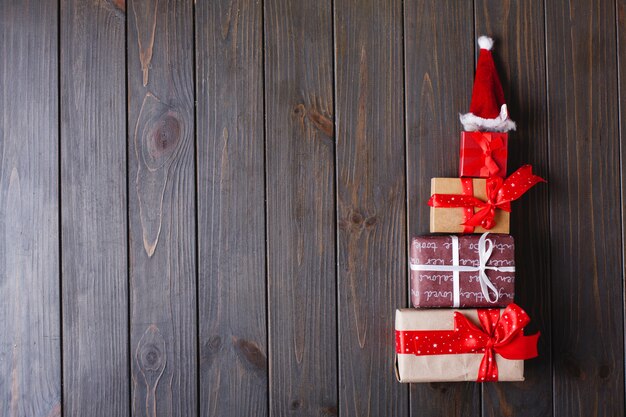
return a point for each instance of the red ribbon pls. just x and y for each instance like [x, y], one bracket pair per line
[499, 192]
[481, 160]
[503, 335]
[467, 185]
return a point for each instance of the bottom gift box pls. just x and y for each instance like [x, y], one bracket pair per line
[462, 345]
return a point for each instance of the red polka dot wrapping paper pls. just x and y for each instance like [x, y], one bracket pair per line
[450, 220]
[446, 367]
[488, 208]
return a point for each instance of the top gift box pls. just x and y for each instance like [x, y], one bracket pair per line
[483, 154]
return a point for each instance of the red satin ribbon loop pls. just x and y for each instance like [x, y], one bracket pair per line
[499, 192]
[503, 335]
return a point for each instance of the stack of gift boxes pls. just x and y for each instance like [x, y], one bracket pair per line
[464, 325]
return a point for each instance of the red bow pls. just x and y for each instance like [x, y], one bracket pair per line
[499, 192]
[482, 160]
[503, 335]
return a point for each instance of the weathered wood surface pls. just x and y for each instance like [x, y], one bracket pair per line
[621, 61]
[30, 326]
[231, 209]
[93, 217]
[205, 206]
[301, 262]
[371, 204]
[585, 239]
[162, 211]
[518, 29]
[438, 85]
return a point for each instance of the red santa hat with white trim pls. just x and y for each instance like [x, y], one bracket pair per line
[488, 112]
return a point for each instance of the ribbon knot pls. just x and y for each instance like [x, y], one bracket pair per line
[498, 334]
[482, 158]
[490, 343]
[499, 192]
[485, 249]
[488, 144]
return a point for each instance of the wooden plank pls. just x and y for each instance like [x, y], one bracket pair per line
[94, 229]
[438, 80]
[587, 296]
[30, 348]
[519, 53]
[371, 204]
[162, 208]
[621, 61]
[300, 208]
[231, 209]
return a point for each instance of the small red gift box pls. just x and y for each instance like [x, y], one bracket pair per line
[483, 154]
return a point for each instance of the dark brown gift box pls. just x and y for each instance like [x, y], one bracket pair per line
[436, 288]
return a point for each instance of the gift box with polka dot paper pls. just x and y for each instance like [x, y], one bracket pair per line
[450, 220]
[424, 366]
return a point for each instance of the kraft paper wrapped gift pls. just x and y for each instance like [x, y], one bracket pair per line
[483, 154]
[450, 220]
[462, 271]
[466, 205]
[445, 345]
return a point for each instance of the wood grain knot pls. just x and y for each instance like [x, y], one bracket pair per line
[371, 221]
[329, 411]
[355, 221]
[356, 218]
[214, 344]
[573, 368]
[150, 358]
[295, 405]
[250, 353]
[210, 349]
[299, 110]
[604, 371]
[158, 134]
[321, 122]
[437, 386]
[164, 135]
[150, 352]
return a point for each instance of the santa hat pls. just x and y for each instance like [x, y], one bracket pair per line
[488, 110]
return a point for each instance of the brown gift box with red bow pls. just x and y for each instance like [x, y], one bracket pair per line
[445, 367]
[450, 220]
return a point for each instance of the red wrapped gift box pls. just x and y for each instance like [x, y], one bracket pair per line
[462, 271]
[483, 154]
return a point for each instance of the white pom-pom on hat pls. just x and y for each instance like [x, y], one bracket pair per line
[485, 42]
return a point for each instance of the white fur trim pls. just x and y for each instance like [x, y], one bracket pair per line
[502, 123]
[485, 42]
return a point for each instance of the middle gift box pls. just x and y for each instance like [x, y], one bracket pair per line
[476, 205]
[462, 271]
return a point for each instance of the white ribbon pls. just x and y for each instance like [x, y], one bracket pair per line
[485, 248]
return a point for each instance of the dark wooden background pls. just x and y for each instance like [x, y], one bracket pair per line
[205, 206]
